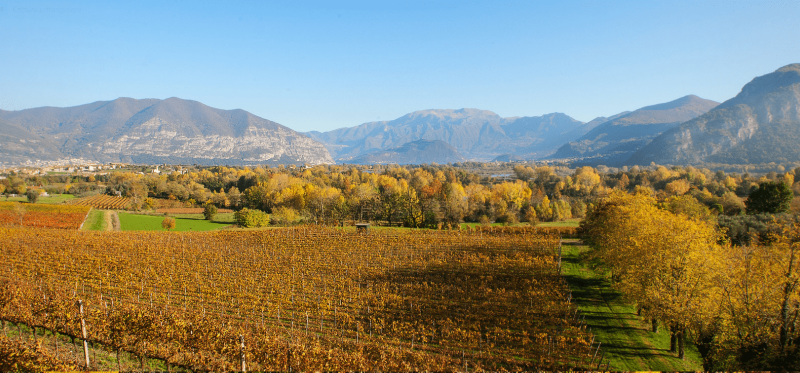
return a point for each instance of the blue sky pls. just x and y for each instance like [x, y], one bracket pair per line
[325, 65]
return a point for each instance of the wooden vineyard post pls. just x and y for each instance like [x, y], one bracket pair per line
[599, 362]
[560, 241]
[241, 346]
[83, 334]
[595, 352]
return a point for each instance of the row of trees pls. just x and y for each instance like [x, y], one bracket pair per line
[421, 195]
[740, 304]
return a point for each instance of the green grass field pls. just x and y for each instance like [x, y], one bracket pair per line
[219, 218]
[566, 223]
[95, 221]
[137, 222]
[626, 338]
[53, 199]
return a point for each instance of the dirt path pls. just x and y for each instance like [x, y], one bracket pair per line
[112, 221]
[626, 338]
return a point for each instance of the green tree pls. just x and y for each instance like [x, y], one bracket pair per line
[248, 218]
[209, 211]
[770, 198]
[33, 195]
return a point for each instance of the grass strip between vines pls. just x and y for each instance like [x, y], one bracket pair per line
[96, 221]
[628, 343]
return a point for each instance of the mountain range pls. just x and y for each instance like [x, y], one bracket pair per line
[476, 134]
[616, 140]
[760, 125]
[152, 131]
[415, 152]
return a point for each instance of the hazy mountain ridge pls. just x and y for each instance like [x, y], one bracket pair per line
[415, 152]
[476, 134]
[761, 124]
[615, 140]
[20, 145]
[185, 130]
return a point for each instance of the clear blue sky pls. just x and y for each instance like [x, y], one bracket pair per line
[324, 65]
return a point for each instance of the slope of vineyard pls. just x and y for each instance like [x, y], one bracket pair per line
[303, 298]
[102, 201]
[43, 216]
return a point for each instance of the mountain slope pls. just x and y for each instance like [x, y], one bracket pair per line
[20, 145]
[761, 124]
[615, 140]
[415, 152]
[477, 134]
[171, 130]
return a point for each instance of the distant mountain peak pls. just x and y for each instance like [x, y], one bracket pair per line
[789, 68]
[449, 114]
[614, 141]
[759, 125]
[173, 130]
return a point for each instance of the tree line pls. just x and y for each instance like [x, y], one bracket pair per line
[417, 196]
[738, 303]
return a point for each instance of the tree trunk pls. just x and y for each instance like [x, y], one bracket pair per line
[681, 343]
[788, 289]
[673, 339]
[654, 325]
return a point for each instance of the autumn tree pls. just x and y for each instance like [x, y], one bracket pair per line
[663, 261]
[168, 223]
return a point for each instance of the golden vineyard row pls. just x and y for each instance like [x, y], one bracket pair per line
[102, 201]
[302, 298]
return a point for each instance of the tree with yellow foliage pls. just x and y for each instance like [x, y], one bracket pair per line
[663, 261]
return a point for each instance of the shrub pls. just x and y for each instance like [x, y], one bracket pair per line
[210, 211]
[168, 223]
[248, 218]
[484, 220]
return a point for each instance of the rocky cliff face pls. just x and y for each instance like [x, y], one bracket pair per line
[170, 131]
[760, 125]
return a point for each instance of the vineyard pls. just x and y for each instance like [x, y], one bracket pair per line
[42, 216]
[303, 298]
[102, 201]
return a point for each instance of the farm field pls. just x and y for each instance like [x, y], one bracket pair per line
[42, 215]
[222, 217]
[53, 199]
[140, 222]
[566, 223]
[102, 201]
[626, 338]
[303, 298]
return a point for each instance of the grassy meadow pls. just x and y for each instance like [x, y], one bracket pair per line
[138, 222]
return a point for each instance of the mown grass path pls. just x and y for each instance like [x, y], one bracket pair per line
[627, 341]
